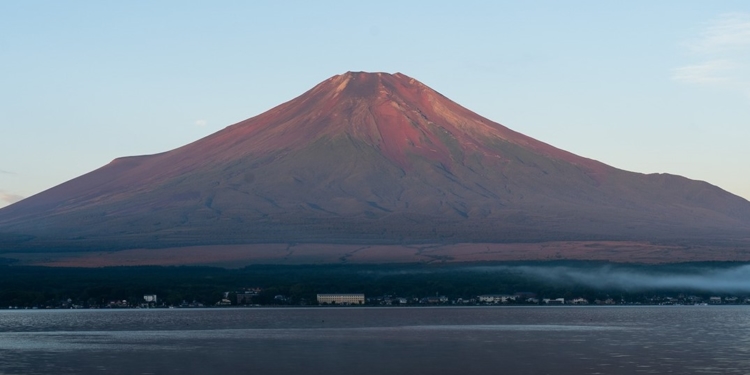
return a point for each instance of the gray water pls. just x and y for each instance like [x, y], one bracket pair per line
[482, 340]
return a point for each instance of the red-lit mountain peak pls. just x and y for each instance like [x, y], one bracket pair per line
[400, 116]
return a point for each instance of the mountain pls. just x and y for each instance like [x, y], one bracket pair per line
[368, 158]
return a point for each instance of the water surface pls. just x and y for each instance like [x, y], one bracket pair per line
[471, 340]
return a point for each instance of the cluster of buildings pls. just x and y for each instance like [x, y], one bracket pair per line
[697, 300]
[247, 297]
[484, 299]
[524, 298]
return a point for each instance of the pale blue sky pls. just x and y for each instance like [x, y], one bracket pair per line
[646, 86]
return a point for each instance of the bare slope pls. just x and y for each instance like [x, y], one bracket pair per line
[368, 158]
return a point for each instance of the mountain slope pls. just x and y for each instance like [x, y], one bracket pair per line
[368, 158]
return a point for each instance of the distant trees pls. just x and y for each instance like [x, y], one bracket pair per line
[288, 285]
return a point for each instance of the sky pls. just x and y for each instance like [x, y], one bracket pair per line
[645, 86]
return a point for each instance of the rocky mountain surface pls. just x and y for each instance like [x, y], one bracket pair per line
[368, 158]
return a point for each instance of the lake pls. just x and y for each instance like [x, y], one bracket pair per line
[396, 340]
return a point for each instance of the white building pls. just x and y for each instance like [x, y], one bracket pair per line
[150, 298]
[554, 301]
[495, 298]
[342, 299]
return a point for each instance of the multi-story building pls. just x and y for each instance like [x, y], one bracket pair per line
[342, 299]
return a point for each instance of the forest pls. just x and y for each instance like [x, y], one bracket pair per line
[43, 287]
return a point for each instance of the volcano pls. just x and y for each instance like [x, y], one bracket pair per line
[368, 159]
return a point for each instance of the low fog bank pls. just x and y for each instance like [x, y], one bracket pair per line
[612, 277]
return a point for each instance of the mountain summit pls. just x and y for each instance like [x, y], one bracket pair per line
[368, 158]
